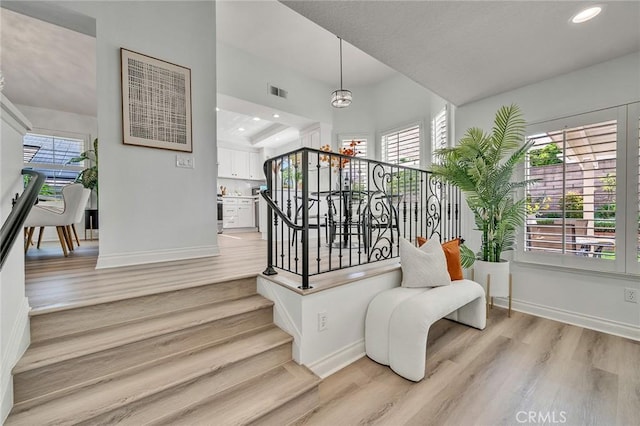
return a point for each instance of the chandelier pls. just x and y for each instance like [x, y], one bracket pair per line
[341, 98]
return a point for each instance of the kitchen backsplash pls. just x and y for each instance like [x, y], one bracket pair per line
[238, 186]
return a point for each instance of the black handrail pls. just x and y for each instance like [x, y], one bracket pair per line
[22, 205]
[369, 206]
[267, 197]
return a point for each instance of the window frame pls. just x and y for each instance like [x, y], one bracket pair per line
[399, 129]
[57, 134]
[434, 133]
[626, 163]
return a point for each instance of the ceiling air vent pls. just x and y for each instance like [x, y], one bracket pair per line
[276, 91]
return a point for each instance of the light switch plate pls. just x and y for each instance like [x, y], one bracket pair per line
[185, 161]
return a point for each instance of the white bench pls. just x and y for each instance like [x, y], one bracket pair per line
[398, 322]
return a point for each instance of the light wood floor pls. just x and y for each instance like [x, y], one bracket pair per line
[517, 364]
[499, 376]
[54, 282]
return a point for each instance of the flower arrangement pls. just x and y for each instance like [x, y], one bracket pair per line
[340, 162]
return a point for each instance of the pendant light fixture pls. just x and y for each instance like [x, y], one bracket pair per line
[341, 98]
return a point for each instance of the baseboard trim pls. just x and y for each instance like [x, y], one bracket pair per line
[339, 359]
[574, 318]
[16, 346]
[155, 256]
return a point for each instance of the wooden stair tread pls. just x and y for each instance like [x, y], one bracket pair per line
[102, 397]
[248, 401]
[79, 345]
[82, 319]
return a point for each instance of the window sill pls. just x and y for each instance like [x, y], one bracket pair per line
[574, 270]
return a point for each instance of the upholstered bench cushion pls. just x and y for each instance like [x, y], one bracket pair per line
[406, 316]
[376, 330]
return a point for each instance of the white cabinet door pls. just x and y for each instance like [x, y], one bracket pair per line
[246, 216]
[240, 164]
[233, 163]
[224, 165]
[255, 166]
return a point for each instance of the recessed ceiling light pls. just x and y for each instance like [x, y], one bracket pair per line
[586, 14]
[276, 115]
[241, 129]
[256, 118]
[217, 109]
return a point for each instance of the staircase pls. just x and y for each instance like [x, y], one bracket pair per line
[202, 355]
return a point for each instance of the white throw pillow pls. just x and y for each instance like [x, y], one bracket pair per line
[425, 266]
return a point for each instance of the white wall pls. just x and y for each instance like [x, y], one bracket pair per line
[14, 306]
[358, 119]
[150, 210]
[60, 121]
[342, 342]
[588, 299]
[390, 104]
[244, 76]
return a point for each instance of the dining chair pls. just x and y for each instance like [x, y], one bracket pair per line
[317, 215]
[75, 197]
[345, 216]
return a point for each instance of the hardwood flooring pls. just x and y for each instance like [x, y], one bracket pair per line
[517, 367]
[519, 370]
[54, 282]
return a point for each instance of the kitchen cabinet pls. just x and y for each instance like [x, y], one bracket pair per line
[255, 166]
[238, 212]
[233, 163]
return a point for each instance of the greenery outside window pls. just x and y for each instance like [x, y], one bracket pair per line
[580, 213]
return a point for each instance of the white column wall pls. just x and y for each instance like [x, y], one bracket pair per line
[150, 210]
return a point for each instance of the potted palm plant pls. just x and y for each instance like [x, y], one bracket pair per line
[482, 166]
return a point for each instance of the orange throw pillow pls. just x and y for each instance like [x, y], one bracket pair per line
[452, 253]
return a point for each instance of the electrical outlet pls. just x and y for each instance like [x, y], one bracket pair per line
[322, 321]
[631, 295]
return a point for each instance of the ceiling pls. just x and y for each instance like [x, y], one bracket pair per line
[468, 50]
[273, 32]
[47, 66]
[456, 49]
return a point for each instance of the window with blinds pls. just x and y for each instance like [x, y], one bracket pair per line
[584, 209]
[572, 208]
[402, 147]
[439, 134]
[50, 155]
[359, 144]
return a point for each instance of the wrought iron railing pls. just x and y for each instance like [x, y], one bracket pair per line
[22, 204]
[329, 211]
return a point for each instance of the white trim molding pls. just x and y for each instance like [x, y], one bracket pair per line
[574, 318]
[339, 359]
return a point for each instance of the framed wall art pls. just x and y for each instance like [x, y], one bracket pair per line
[156, 102]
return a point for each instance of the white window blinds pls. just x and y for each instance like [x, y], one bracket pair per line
[572, 208]
[50, 155]
[402, 147]
[439, 134]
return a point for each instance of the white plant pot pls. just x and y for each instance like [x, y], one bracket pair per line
[499, 273]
